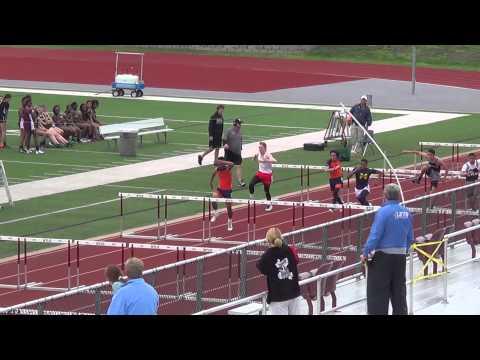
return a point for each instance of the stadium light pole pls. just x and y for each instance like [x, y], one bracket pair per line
[414, 67]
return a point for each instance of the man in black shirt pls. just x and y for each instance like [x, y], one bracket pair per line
[279, 265]
[362, 113]
[362, 175]
[215, 133]
[4, 107]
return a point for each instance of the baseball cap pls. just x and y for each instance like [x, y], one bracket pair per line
[364, 97]
[237, 121]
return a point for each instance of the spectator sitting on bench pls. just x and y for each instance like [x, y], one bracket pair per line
[46, 127]
[61, 122]
[80, 120]
[92, 119]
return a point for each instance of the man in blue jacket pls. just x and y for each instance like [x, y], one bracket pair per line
[135, 297]
[362, 113]
[389, 241]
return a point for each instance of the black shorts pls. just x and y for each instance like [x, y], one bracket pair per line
[227, 194]
[216, 142]
[335, 182]
[233, 157]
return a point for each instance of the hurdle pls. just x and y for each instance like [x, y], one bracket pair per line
[295, 206]
[402, 174]
[176, 283]
[455, 158]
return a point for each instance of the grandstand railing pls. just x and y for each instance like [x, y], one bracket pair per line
[318, 282]
[198, 290]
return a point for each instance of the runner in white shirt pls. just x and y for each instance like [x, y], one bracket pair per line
[470, 170]
[264, 173]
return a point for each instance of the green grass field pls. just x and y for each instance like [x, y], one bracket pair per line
[189, 120]
[104, 219]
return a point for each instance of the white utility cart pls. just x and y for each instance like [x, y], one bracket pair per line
[125, 82]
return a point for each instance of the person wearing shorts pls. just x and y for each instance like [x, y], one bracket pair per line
[336, 183]
[432, 169]
[471, 170]
[4, 107]
[264, 173]
[215, 133]
[224, 189]
[26, 126]
[25, 100]
[362, 176]
[232, 145]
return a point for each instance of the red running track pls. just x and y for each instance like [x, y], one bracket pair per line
[50, 268]
[207, 72]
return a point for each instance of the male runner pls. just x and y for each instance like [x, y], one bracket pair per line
[362, 176]
[336, 183]
[432, 169]
[264, 173]
[224, 189]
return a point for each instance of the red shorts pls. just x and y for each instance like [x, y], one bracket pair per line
[265, 178]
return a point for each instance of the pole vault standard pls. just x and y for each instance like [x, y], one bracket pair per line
[378, 148]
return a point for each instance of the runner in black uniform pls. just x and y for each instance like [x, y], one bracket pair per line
[432, 169]
[362, 175]
[215, 133]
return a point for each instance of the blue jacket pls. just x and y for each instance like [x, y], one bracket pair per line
[136, 297]
[362, 114]
[392, 229]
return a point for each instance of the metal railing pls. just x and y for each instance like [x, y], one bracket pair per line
[263, 295]
[318, 241]
[318, 280]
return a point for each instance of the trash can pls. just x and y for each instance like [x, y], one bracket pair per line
[128, 143]
[345, 153]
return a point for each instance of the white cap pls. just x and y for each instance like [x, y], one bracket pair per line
[364, 97]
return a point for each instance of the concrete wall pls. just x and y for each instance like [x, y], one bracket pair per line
[233, 48]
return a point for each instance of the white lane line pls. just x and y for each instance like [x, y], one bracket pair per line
[201, 101]
[133, 187]
[54, 174]
[66, 210]
[51, 164]
[67, 172]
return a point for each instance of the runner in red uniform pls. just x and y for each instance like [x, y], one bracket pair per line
[224, 189]
[336, 182]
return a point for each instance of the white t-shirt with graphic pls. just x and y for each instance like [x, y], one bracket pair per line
[471, 170]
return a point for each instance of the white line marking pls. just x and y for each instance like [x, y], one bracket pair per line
[64, 210]
[67, 172]
[52, 164]
[199, 101]
[133, 187]
[54, 174]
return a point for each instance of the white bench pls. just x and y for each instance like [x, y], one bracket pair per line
[249, 309]
[142, 127]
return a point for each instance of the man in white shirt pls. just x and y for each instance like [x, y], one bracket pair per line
[470, 170]
[264, 173]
